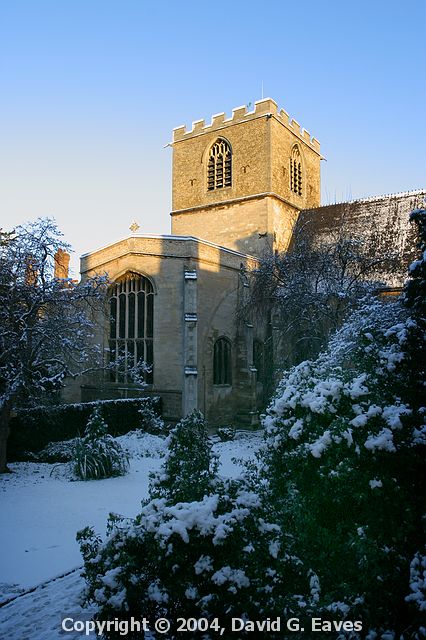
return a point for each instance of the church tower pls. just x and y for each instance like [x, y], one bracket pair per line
[241, 182]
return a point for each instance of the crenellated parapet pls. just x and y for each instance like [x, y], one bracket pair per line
[262, 108]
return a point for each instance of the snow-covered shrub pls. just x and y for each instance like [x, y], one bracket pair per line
[226, 434]
[57, 452]
[418, 581]
[216, 557]
[97, 454]
[189, 470]
[415, 300]
[151, 421]
[344, 465]
[415, 290]
[138, 444]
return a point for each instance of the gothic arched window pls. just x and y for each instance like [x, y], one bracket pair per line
[219, 166]
[222, 362]
[131, 326]
[296, 171]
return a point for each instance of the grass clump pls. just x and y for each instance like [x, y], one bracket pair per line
[97, 455]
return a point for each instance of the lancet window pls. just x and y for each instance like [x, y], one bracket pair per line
[296, 171]
[222, 362]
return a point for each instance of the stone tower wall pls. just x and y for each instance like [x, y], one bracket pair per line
[258, 210]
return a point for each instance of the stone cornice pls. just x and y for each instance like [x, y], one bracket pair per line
[225, 203]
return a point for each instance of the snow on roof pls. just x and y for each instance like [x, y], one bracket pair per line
[399, 194]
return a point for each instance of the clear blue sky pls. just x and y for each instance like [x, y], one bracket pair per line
[91, 90]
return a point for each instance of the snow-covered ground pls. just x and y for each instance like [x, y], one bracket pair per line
[41, 511]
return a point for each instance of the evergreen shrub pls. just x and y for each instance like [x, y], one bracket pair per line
[151, 421]
[344, 465]
[226, 434]
[189, 471]
[62, 451]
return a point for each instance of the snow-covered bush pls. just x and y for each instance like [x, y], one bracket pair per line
[62, 451]
[415, 290]
[344, 464]
[415, 300]
[97, 455]
[151, 421]
[418, 581]
[216, 557]
[226, 434]
[189, 470]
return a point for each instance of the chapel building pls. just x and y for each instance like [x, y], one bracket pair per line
[239, 186]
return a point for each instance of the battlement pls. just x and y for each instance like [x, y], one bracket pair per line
[266, 107]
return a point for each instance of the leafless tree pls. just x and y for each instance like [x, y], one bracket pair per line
[45, 322]
[303, 294]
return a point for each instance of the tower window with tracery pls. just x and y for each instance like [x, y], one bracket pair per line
[131, 326]
[219, 167]
[296, 171]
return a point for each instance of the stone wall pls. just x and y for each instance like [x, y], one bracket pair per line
[196, 288]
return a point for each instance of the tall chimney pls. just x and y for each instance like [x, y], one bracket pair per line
[62, 261]
[31, 271]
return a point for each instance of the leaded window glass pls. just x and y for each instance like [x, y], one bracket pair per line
[219, 167]
[131, 326]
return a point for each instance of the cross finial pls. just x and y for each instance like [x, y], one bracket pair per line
[134, 227]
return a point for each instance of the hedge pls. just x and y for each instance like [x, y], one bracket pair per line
[33, 429]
